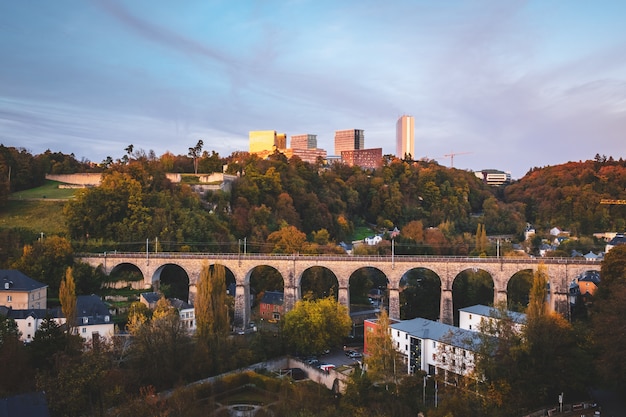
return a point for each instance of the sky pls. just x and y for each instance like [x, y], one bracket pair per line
[507, 85]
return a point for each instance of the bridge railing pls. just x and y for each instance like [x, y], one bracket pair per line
[335, 257]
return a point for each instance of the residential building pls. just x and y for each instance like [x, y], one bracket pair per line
[349, 140]
[93, 318]
[474, 317]
[28, 321]
[494, 177]
[272, 305]
[266, 141]
[405, 137]
[441, 349]
[186, 312]
[373, 240]
[364, 158]
[305, 141]
[21, 292]
[588, 283]
[150, 299]
[619, 239]
[430, 346]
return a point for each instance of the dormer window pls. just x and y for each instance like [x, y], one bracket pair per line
[107, 319]
[85, 320]
[6, 285]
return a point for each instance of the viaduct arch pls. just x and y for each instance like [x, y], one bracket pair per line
[561, 272]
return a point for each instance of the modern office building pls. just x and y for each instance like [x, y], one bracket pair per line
[349, 140]
[405, 137]
[364, 158]
[305, 141]
[264, 141]
[494, 177]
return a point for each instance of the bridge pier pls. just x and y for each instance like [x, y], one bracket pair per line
[242, 305]
[344, 297]
[446, 313]
[394, 303]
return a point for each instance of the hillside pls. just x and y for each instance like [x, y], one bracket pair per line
[568, 196]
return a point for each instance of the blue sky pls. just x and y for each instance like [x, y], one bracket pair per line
[509, 84]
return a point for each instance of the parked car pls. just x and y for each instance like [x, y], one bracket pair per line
[326, 367]
[355, 355]
[349, 352]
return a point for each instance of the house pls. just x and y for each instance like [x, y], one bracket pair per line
[529, 232]
[473, 317]
[619, 239]
[150, 299]
[93, 318]
[373, 240]
[272, 305]
[186, 312]
[28, 321]
[21, 292]
[592, 256]
[588, 283]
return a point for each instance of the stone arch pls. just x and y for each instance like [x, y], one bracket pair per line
[126, 274]
[420, 294]
[471, 286]
[262, 279]
[368, 282]
[173, 276]
[326, 282]
[518, 289]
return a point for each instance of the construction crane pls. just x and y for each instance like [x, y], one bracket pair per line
[609, 201]
[451, 156]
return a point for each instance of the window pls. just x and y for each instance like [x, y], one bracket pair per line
[84, 330]
[29, 324]
[470, 327]
[9, 298]
[434, 344]
[470, 316]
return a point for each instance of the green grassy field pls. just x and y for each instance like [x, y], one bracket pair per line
[37, 215]
[50, 190]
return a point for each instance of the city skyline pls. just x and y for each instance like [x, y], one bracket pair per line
[504, 85]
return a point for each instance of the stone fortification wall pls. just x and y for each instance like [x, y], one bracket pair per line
[83, 179]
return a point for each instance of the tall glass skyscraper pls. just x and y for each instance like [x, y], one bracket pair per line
[405, 137]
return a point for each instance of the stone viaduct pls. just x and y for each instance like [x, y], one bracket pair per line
[561, 272]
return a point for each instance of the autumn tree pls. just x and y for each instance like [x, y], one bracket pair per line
[538, 299]
[609, 326]
[383, 360]
[46, 261]
[160, 347]
[312, 326]
[211, 308]
[287, 240]
[67, 297]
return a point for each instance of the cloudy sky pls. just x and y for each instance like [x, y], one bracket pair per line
[508, 85]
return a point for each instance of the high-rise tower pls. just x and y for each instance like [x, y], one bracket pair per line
[405, 137]
[349, 140]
